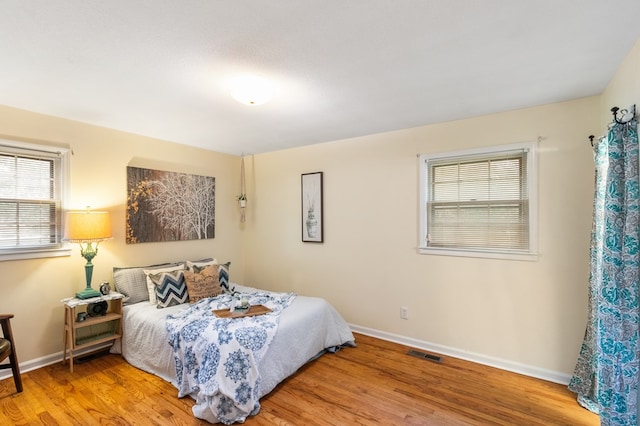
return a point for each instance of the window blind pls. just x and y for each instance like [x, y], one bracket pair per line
[479, 202]
[30, 200]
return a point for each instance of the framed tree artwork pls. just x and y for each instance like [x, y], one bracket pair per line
[168, 206]
[312, 220]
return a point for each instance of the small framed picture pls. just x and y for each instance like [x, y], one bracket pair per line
[312, 223]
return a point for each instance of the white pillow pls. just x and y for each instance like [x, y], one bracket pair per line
[151, 288]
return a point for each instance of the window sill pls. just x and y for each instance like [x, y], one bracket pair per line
[524, 256]
[35, 254]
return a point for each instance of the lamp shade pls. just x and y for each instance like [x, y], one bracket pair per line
[87, 226]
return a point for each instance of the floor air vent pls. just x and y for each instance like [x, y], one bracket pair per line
[423, 355]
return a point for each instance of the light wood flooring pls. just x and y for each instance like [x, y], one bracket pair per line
[376, 383]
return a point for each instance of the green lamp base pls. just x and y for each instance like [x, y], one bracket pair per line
[88, 293]
[88, 253]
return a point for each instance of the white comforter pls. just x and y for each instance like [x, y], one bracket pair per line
[308, 326]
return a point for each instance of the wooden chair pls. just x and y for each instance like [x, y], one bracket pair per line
[8, 350]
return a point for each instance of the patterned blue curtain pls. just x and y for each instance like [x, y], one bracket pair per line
[606, 373]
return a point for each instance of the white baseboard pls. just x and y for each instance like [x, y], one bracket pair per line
[34, 364]
[516, 367]
[527, 370]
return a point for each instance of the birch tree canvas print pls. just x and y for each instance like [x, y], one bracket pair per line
[168, 206]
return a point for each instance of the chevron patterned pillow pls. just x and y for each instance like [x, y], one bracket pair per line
[170, 288]
[151, 287]
[223, 275]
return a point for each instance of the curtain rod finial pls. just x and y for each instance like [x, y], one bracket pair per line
[627, 114]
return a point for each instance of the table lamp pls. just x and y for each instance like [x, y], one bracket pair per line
[86, 228]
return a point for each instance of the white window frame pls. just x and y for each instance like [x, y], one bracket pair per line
[529, 254]
[60, 248]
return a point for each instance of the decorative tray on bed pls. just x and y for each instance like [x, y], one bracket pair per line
[252, 311]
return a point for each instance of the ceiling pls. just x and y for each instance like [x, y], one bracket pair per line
[341, 68]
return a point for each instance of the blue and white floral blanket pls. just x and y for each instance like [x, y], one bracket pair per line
[217, 358]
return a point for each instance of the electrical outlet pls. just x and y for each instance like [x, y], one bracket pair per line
[404, 312]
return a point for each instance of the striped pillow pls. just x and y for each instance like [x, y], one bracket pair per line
[170, 288]
[132, 282]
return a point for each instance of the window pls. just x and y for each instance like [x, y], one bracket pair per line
[33, 179]
[479, 202]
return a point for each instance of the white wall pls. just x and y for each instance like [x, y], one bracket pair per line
[529, 313]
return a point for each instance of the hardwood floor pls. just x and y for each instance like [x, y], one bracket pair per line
[376, 383]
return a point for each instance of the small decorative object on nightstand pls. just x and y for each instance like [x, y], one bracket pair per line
[93, 328]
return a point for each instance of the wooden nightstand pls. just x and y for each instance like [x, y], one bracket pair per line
[94, 330]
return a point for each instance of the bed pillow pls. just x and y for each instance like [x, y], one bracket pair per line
[202, 282]
[223, 275]
[201, 263]
[151, 288]
[170, 288]
[132, 282]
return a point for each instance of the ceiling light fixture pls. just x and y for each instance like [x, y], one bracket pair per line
[251, 90]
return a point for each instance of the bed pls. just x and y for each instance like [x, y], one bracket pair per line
[306, 328]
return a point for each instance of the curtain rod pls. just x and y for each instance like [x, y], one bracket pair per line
[53, 150]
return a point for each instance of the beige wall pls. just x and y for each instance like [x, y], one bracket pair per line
[624, 88]
[32, 289]
[530, 313]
